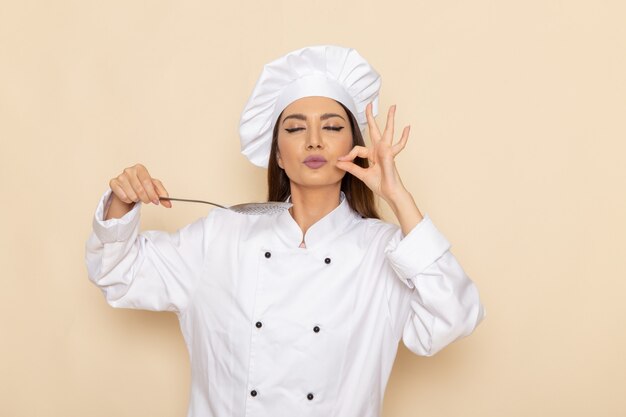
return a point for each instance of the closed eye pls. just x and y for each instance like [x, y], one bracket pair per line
[333, 128]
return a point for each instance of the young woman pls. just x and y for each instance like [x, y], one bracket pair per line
[297, 313]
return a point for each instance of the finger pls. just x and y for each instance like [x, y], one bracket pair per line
[388, 133]
[402, 142]
[353, 169]
[128, 189]
[119, 191]
[371, 123]
[360, 151]
[158, 185]
[148, 186]
[139, 190]
[137, 187]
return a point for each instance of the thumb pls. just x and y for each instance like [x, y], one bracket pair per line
[162, 192]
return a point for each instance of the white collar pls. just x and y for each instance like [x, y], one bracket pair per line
[326, 228]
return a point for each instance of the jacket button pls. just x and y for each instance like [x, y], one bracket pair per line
[268, 255]
[310, 396]
[327, 260]
[253, 393]
[316, 329]
[259, 324]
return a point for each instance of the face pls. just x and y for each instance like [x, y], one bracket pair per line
[312, 133]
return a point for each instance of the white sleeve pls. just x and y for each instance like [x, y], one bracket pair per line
[152, 270]
[441, 303]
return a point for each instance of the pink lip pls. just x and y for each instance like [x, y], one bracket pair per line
[314, 161]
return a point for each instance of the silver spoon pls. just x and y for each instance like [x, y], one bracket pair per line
[270, 207]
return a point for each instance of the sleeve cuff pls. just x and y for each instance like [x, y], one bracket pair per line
[412, 254]
[114, 230]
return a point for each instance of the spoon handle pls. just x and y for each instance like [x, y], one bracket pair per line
[190, 201]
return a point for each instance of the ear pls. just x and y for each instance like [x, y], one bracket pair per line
[279, 160]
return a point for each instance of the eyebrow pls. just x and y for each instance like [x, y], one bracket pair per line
[301, 116]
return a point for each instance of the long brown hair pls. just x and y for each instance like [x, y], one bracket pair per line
[359, 196]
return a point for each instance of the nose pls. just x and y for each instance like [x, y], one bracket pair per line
[314, 139]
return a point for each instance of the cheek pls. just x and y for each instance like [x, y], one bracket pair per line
[285, 153]
[346, 145]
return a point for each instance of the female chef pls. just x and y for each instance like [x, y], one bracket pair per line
[296, 313]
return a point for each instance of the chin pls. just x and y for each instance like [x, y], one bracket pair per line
[316, 178]
[318, 182]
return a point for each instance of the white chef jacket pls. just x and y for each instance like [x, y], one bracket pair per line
[273, 329]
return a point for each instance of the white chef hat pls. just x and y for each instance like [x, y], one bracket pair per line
[326, 70]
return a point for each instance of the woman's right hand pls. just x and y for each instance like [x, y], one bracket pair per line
[135, 184]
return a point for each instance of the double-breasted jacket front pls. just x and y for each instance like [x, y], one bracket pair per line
[275, 329]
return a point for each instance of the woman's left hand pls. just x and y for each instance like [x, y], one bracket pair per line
[381, 176]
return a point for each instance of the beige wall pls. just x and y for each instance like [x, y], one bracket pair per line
[518, 114]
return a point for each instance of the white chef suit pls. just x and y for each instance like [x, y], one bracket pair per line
[273, 329]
